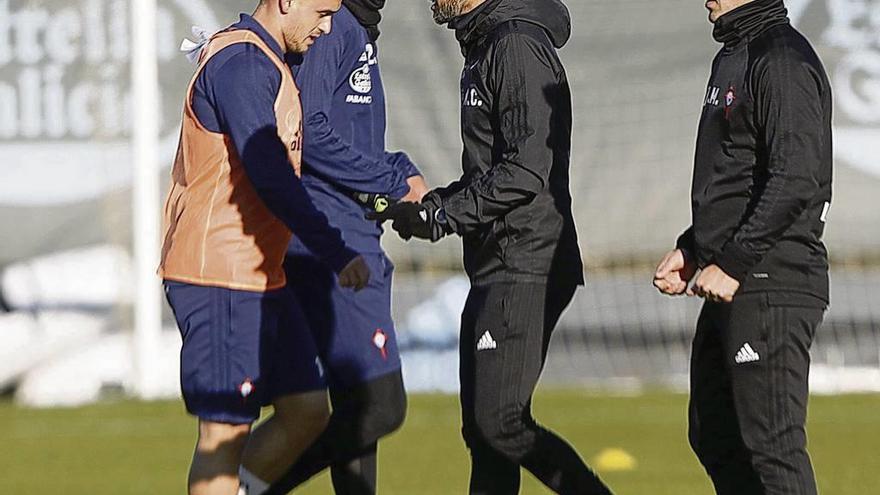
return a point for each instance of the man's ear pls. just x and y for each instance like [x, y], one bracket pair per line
[284, 5]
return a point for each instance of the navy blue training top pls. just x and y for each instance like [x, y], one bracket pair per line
[235, 95]
[344, 131]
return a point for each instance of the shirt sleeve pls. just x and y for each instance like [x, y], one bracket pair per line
[325, 153]
[402, 162]
[244, 91]
[523, 85]
[790, 123]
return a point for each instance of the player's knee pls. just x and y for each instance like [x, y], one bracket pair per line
[390, 414]
[217, 437]
[308, 412]
[715, 454]
[314, 417]
[764, 449]
[694, 438]
[378, 406]
[479, 429]
[503, 432]
[396, 416]
[706, 456]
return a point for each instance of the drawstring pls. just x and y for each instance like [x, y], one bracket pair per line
[193, 49]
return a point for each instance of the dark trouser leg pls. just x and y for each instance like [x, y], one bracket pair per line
[491, 472]
[505, 333]
[358, 475]
[713, 427]
[768, 390]
[771, 394]
[361, 416]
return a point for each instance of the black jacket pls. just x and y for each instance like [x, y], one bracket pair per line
[762, 174]
[512, 205]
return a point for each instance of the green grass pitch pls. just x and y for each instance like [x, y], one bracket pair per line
[144, 448]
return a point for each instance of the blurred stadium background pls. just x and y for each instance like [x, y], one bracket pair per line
[79, 317]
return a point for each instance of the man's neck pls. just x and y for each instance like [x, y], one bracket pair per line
[270, 24]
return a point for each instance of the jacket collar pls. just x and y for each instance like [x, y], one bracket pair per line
[746, 22]
[551, 15]
[475, 24]
[368, 14]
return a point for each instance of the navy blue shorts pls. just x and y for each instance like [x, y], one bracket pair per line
[241, 350]
[354, 331]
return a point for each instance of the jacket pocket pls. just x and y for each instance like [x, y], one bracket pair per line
[501, 238]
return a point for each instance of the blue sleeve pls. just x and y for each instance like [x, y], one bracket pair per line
[244, 90]
[401, 161]
[325, 153]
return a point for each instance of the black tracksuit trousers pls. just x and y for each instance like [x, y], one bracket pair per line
[749, 390]
[506, 328]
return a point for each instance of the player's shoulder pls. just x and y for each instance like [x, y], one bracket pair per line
[241, 61]
[781, 55]
[782, 44]
[346, 25]
[241, 56]
[520, 32]
[522, 45]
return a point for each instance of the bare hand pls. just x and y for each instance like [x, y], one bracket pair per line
[714, 285]
[417, 189]
[355, 275]
[674, 272]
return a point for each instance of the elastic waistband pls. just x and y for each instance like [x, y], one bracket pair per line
[782, 297]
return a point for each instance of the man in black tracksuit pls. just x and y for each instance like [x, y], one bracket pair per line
[761, 190]
[512, 208]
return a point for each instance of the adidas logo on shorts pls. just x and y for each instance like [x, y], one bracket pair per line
[486, 342]
[746, 355]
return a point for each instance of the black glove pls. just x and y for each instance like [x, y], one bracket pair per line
[413, 220]
[373, 201]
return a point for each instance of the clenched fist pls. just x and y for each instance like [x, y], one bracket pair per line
[714, 285]
[355, 275]
[674, 272]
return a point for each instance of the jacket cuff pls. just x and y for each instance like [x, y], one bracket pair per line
[685, 241]
[736, 261]
[433, 203]
[341, 258]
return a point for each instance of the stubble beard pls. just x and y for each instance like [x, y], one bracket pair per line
[292, 44]
[446, 10]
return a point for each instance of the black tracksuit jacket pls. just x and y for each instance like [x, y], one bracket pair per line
[762, 173]
[512, 206]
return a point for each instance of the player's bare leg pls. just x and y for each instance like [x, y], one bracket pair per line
[214, 469]
[297, 421]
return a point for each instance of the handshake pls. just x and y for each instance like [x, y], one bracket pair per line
[425, 220]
